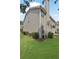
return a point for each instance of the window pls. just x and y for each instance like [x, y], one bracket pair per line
[57, 31]
[52, 26]
[48, 23]
[42, 14]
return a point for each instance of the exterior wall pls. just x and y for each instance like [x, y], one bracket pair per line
[43, 20]
[21, 27]
[57, 29]
[43, 15]
[54, 29]
[31, 22]
[53, 26]
[48, 28]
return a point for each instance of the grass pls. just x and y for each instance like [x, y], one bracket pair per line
[33, 49]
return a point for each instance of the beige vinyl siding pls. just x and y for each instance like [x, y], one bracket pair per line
[31, 23]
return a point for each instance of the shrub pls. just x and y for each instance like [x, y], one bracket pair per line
[29, 34]
[25, 33]
[35, 35]
[50, 35]
[21, 30]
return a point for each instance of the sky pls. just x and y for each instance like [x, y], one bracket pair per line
[53, 9]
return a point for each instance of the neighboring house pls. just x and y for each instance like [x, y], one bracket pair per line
[36, 21]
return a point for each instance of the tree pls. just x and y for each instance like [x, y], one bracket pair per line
[55, 1]
[24, 6]
[27, 3]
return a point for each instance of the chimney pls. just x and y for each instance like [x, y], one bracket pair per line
[47, 6]
[47, 16]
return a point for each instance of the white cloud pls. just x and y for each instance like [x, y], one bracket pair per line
[34, 4]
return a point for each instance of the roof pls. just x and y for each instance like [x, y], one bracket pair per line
[35, 5]
[53, 20]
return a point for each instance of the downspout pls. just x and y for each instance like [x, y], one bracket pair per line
[40, 31]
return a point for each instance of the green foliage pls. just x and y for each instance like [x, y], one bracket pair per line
[25, 33]
[35, 35]
[55, 1]
[50, 35]
[22, 8]
[27, 3]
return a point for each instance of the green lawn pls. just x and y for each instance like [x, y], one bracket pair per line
[33, 49]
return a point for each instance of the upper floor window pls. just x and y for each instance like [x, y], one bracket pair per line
[57, 30]
[42, 14]
[52, 26]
